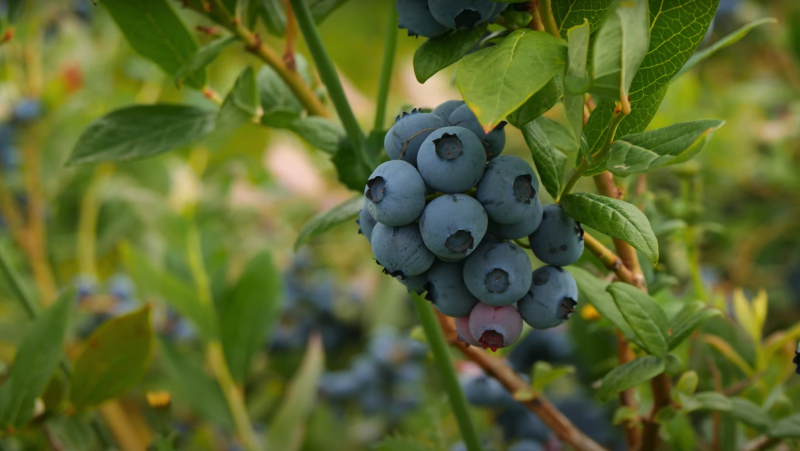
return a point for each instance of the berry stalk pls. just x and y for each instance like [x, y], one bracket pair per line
[389, 50]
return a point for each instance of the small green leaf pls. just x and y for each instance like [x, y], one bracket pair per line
[643, 315]
[666, 414]
[241, 104]
[653, 149]
[558, 134]
[576, 69]
[692, 316]
[550, 163]
[141, 131]
[437, 53]
[202, 58]
[152, 28]
[352, 171]
[248, 312]
[721, 44]
[625, 415]
[319, 132]
[275, 95]
[321, 9]
[539, 103]
[400, 443]
[687, 384]
[708, 400]
[274, 17]
[34, 363]
[73, 432]
[615, 218]
[788, 427]
[572, 13]
[286, 428]
[113, 360]
[544, 374]
[497, 80]
[750, 414]
[327, 220]
[672, 364]
[630, 375]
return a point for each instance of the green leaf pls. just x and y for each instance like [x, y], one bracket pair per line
[177, 293]
[241, 104]
[687, 384]
[641, 152]
[141, 131]
[352, 171]
[248, 313]
[497, 80]
[35, 362]
[15, 10]
[544, 374]
[630, 375]
[113, 360]
[721, 44]
[615, 218]
[619, 49]
[317, 131]
[571, 13]
[202, 58]
[708, 400]
[321, 9]
[750, 414]
[578, 53]
[274, 17]
[73, 432]
[400, 443]
[643, 315]
[692, 316]
[539, 103]
[788, 427]
[558, 134]
[288, 424]
[437, 53]
[327, 220]
[152, 28]
[550, 163]
[275, 95]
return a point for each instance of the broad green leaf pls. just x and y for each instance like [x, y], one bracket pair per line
[497, 80]
[788, 427]
[400, 443]
[643, 315]
[288, 425]
[576, 69]
[641, 152]
[558, 134]
[152, 280]
[729, 353]
[203, 57]
[750, 414]
[321, 9]
[571, 13]
[189, 381]
[721, 44]
[327, 220]
[274, 16]
[619, 49]
[539, 103]
[692, 316]
[35, 362]
[708, 400]
[275, 95]
[319, 132]
[352, 171]
[141, 131]
[437, 53]
[630, 375]
[248, 312]
[550, 163]
[113, 359]
[241, 104]
[152, 28]
[74, 432]
[544, 374]
[15, 9]
[615, 218]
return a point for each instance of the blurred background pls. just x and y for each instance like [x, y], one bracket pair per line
[729, 219]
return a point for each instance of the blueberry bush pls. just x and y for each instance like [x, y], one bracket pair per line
[571, 259]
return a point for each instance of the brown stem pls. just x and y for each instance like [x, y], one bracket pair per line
[536, 23]
[550, 416]
[12, 215]
[609, 259]
[627, 397]
[291, 36]
[760, 443]
[716, 422]
[661, 386]
[548, 21]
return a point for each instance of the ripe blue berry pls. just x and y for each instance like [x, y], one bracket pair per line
[451, 160]
[551, 299]
[446, 289]
[414, 283]
[484, 391]
[498, 273]
[559, 239]
[462, 329]
[402, 141]
[446, 109]
[400, 250]
[395, 193]
[453, 225]
[495, 327]
[460, 14]
[520, 229]
[493, 142]
[415, 16]
[526, 445]
[366, 222]
[508, 190]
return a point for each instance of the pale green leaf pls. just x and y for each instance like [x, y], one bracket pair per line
[788, 427]
[544, 374]
[241, 104]
[539, 103]
[571, 13]
[750, 414]
[692, 316]
[329, 219]
[203, 57]
[437, 53]
[320, 133]
[550, 162]
[274, 16]
[630, 375]
[558, 134]
[643, 315]
[729, 353]
[578, 53]
[708, 400]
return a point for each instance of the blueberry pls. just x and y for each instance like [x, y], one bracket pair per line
[453, 225]
[460, 14]
[495, 327]
[414, 283]
[27, 110]
[520, 423]
[508, 190]
[451, 160]
[462, 329]
[446, 109]
[796, 359]
[446, 289]
[559, 239]
[552, 346]
[520, 229]
[395, 193]
[526, 445]
[407, 134]
[339, 385]
[493, 142]
[485, 391]
[498, 273]
[415, 16]
[551, 299]
[366, 222]
[400, 250]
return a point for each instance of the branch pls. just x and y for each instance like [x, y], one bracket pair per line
[627, 397]
[389, 50]
[760, 443]
[549, 22]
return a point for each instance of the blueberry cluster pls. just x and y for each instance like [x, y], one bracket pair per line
[442, 215]
[432, 18]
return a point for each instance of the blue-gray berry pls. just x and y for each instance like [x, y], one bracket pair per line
[365, 222]
[445, 109]
[460, 14]
[493, 142]
[498, 273]
[508, 190]
[415, 16]
[446, 289]
[402, 141]
[520, 229]
[400, 250]
[559, 239]
[551, 299]
[395, 193]
[453, 225]
[451, 160]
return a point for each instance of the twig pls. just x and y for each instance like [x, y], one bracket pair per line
[389, 50]
[609, 259]
[52, 440]
[546, 14]
[87, 223]
[760, 443]
[212, 95]
[627, 397]
[661, 385]
[291, 37]
[716, 426]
